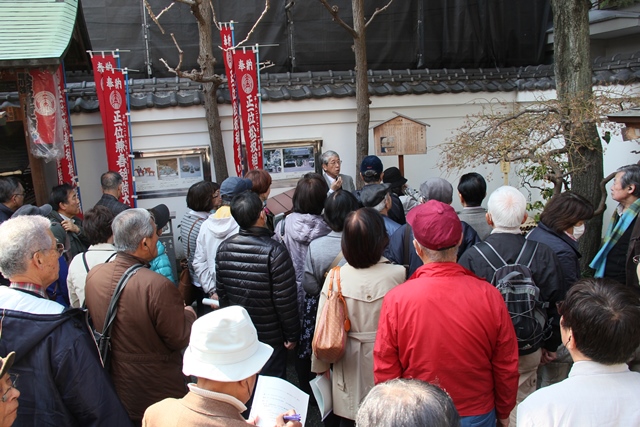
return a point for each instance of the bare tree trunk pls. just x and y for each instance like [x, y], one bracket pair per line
[362, 86]
[202, 12]
[573, 81]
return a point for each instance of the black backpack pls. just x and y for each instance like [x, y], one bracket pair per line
[521, 294]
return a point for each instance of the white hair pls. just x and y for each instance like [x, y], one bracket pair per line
[327, 156]
[380, 206]
[20, 238]
[130, 227]
[507, 207]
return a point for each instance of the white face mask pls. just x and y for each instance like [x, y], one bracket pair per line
[578, 231]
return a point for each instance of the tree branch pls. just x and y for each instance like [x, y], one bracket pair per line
[266, 8]
[155, 18]
[603, 193]
[333, 10]
[196, 76]
[377, 11]
[213, 16]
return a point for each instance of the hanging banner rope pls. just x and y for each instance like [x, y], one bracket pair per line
[246, 69]
[226, 34]
[110, 88]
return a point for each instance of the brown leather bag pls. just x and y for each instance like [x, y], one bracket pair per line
[330, 338]
[185, 284]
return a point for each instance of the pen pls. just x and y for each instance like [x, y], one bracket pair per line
[294, 417]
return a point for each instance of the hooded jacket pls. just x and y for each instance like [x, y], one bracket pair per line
[213, 232]
[161, 263]
[62, 381]
[296, 232]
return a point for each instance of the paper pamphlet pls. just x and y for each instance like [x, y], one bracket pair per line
[321, 387]
[275, 396]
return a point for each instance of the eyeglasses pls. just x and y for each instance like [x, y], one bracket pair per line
[19, 194]
[335, 162]
[60, 248]
[13, 383]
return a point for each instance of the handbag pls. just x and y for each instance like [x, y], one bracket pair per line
[330, 338]
[185, 284]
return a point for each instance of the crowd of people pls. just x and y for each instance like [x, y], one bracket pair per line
[456, 318]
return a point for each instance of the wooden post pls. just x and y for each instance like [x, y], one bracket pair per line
[401, 164]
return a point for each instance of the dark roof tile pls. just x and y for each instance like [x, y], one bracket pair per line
[169, 92]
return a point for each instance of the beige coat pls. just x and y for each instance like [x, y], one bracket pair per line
[195, 411]
[363, 290]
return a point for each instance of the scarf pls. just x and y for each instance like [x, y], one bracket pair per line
[617, 227]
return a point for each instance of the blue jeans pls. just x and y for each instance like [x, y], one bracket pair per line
[486, 420]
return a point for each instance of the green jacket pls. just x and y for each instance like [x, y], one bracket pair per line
[75, 243]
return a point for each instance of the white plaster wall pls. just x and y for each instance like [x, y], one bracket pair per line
[332, 120]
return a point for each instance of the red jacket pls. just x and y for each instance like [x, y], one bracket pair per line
[450, 328]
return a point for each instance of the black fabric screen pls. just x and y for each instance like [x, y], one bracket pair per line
[301, 36]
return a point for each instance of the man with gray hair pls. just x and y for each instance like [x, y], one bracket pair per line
[506, 211]
[409, 403]
[152, 325]
[331, 165]
[62, 382]
[378, 197]
[11, 196]
[111, 183]
[614, 260]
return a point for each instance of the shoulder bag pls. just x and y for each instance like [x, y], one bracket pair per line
[185, 284]
[330, 338]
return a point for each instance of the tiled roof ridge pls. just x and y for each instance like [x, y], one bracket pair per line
[173, 91]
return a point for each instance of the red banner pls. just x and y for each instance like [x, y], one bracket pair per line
[227, 42]
[44, 95]
[246, 70]
[112, 96]
[66, 166]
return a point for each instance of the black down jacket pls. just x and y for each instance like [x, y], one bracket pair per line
[256, 272]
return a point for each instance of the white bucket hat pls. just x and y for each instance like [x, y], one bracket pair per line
[224, 347]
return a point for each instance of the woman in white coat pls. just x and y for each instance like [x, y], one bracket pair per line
[365, 280]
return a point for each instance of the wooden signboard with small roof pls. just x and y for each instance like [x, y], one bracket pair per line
[400, 136]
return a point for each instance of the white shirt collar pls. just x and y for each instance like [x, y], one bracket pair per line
[218, 396]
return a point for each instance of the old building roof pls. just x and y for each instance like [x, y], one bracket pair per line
[35, 32]
[172, 92]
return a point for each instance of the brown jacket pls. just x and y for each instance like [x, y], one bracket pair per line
[152, 326]
[195, 411]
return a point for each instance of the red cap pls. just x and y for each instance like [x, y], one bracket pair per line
[435, 225]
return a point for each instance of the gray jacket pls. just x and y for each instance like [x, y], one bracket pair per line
[476, 218]
[321, 254]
